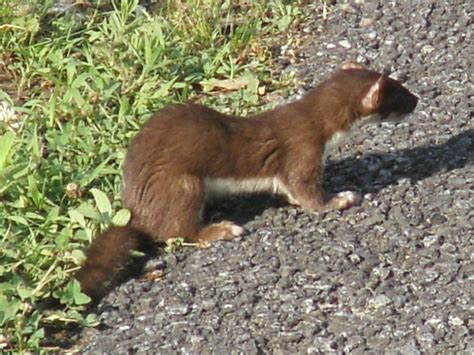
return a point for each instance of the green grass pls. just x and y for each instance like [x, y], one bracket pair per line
[80, 88]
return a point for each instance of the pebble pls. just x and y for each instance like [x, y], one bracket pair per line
[345, 43]
[379, 301]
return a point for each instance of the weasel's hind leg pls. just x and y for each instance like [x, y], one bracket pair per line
[176, 211]
[188, 195]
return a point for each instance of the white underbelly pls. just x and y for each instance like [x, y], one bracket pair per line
[230, 186]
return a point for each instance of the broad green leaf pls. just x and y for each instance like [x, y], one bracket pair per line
[78, 255]
[8, 309]
[91, 320]
[121, 218]
[102, 201]
[23, 172]
[81, 298]
[77, 217]
[36, 337]
[62, 239]
[53, 214]
[72, 313]
[89, 211]
[33, 215]
[94, 35]
[107, 93]
[252, 82]
[124, 107]
[80, 80]
[73, 294]
[24, 292]
[19, 220]
[6, 145]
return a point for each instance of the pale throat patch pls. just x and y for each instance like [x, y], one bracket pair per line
[339, 137]
[333, 143]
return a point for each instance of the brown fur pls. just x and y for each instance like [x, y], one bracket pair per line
[106, 255]
[187, 152]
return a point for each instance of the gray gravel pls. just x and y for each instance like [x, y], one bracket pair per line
[394, 275]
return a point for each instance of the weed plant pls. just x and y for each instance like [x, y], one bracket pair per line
[76, 83]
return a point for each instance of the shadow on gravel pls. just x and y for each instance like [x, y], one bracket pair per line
[373, 172]
[241, 209]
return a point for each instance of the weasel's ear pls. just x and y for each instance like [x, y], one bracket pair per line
[350, 64]
[373, 97]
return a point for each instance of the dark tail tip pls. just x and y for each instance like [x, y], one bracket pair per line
[107, 254]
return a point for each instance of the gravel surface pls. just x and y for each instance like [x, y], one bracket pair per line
[394, 275]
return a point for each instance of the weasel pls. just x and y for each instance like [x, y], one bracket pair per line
[187, 153]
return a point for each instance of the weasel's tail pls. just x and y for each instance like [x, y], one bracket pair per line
[108, 253]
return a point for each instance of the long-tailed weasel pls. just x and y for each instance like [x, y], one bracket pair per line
[187, 153]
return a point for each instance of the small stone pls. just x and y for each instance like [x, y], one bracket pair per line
[426, 49]
[354, 258]
[178, 309]
[345, 43]
[379, 301]
[409, 349]
[456, 321]
[382, 272]
[366, 21]
[448, 248]
[438, 219]
[371, 35]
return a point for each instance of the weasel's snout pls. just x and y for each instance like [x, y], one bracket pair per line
[412, 102]
[408, 104]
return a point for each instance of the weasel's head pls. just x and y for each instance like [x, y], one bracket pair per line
[372, 97]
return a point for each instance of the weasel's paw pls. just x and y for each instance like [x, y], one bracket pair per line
[224, 230]
[229, 229]
[347, 199]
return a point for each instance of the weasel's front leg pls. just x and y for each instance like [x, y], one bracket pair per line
[302, 186]
[312, 198]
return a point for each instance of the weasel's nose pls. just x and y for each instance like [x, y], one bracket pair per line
[415, 100]
[412, 102]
